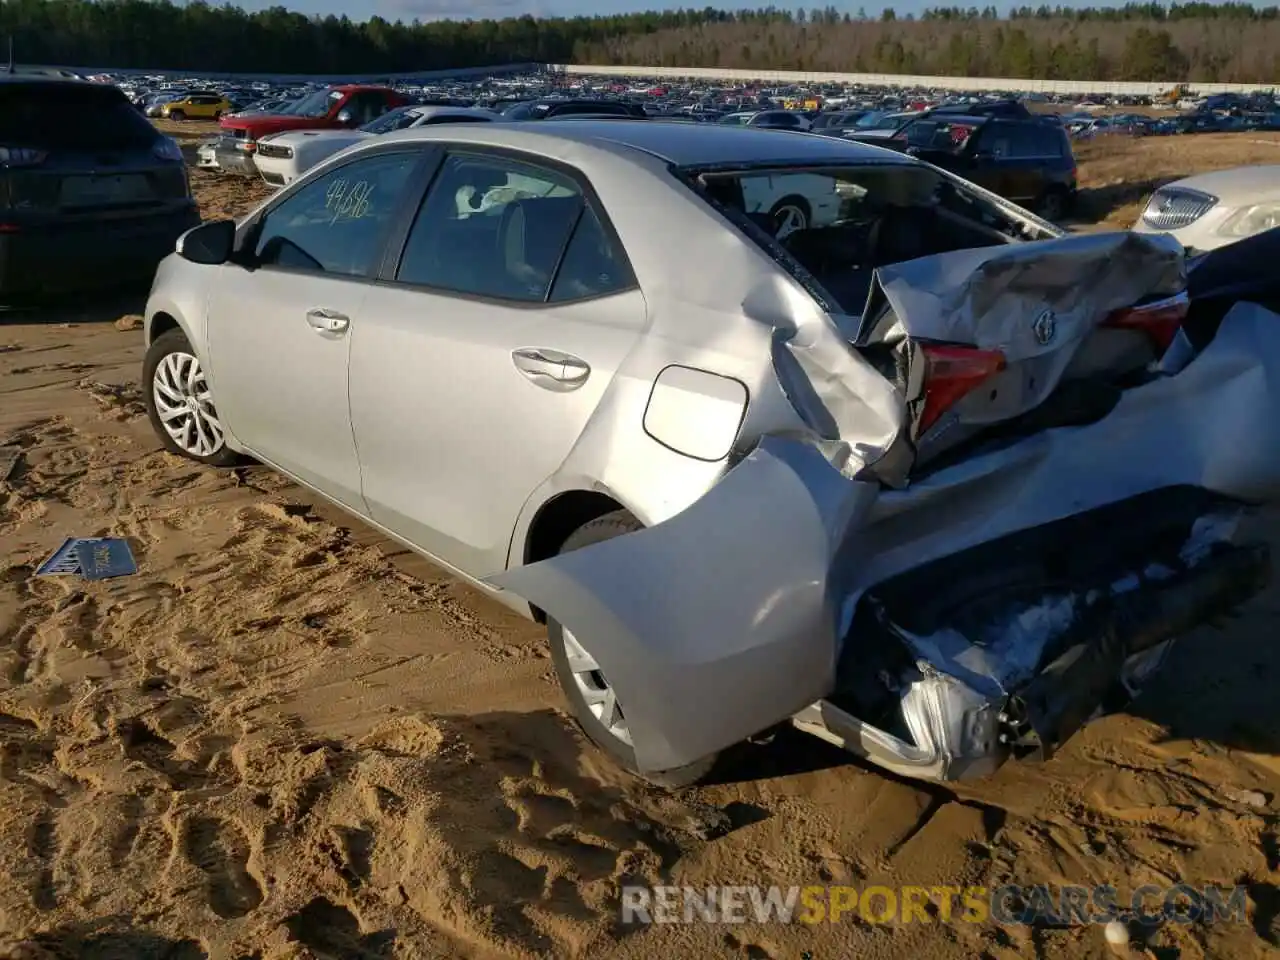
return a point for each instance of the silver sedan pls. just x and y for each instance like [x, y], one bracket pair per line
[747, 475]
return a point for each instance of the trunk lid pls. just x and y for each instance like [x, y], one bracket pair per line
[999, 342]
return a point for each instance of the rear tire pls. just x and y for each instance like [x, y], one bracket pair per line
[1055, 204]
[612, 738]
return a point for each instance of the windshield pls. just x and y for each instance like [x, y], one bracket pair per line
[396, 119]
[518, 111]
[838, 224]
[316, 104]
[880, 120]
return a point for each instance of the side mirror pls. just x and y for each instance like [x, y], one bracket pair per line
[210, 243]
[346, 117]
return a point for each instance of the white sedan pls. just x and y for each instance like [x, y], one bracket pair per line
[283, 157]
[1211, 210]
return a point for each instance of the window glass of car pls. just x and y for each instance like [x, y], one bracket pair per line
[496, 227]
[336, 223]
[592, 266]
[392, 120]
[69, 115]
[1033, 142]
[519, 111]
[367, 105]
[935, 134]
[315, 104]
[994, 141]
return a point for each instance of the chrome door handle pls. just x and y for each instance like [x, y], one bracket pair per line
[551, 369]
[328, 321]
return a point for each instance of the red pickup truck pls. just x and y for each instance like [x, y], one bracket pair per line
[351, 105]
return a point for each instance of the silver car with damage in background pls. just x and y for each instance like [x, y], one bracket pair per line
[931, 480]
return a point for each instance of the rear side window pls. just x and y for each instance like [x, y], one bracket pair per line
[70, 116]
[592, 266]
[499, 228]
[1029, 141]
[491, 227]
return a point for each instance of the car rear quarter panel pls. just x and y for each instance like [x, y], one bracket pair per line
[714, 301]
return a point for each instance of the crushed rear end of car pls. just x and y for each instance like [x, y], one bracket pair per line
[1022, 477]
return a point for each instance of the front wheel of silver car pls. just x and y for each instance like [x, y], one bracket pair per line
[180, 404]
[591, 697]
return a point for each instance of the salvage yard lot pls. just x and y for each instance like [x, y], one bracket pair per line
[286, 738]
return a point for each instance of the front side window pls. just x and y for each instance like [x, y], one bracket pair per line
[499, 228]
[336, 224]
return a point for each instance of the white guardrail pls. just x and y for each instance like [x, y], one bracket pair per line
[967, 84]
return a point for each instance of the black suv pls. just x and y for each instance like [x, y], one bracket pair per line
[1029, 161]
[91, 194]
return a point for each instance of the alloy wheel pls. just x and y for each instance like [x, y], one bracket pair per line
[184, 405]
[600, 697]
[789, 219]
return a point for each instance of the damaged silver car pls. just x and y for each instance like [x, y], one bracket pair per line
[919, 474]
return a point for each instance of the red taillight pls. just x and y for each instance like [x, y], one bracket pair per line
[9, 228]
[1160, 320]
[951, 374]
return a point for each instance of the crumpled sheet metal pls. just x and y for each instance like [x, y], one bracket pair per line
[679, 638]
[991, 296]
[726, 619]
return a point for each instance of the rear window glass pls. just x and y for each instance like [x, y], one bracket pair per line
[840, 224]
[70, 116]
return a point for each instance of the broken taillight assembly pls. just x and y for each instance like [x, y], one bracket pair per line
[952, 373]
[1160, 320]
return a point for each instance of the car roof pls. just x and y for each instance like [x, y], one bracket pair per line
[44, 79]
[680, 144]
[960, 118]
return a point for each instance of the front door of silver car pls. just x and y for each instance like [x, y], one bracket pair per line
[282, 317]
[484, 351]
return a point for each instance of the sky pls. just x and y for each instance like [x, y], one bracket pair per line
[497, 9]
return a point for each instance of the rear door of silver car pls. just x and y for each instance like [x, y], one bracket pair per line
[498, 322]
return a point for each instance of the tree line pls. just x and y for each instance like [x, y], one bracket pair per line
[1231, 42]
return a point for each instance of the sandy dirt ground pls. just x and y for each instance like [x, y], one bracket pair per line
[287, 738]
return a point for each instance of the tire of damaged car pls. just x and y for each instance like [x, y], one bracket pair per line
[587, 691]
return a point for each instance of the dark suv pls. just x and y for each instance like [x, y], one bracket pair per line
[91, 194]
[1029, 161]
